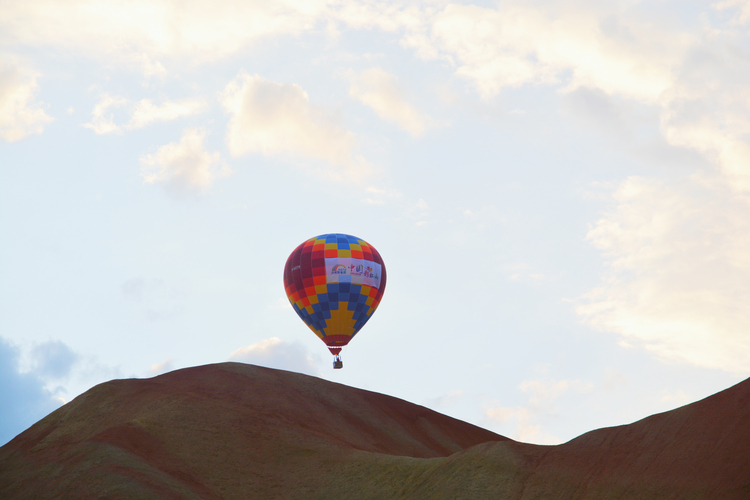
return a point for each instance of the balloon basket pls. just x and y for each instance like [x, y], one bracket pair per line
[337, 363]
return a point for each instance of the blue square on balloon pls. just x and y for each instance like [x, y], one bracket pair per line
[342, 242]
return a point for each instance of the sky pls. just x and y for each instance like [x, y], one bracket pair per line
[560, 191]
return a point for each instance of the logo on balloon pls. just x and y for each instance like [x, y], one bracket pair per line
[357, 271]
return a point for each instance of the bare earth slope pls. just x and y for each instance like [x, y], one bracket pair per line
[698, 451]
[241, 431]
[218, 431]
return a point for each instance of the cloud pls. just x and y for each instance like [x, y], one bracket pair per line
[378, 196]
[525, 431]
[23, 399]
[123, 32]
[143, 113]
[542, 395]
[386, 16]
[485, 217]
[521, 271]
[103, 122]
[277, 119]
[146, 112]
[742, 16]
[163, 367]
[282, 303]
[678, 398]
[152, 68]
[719, 132]
[676, 272]
[677, 281]
[693, 80]
[185, 167]
[275, 353]
[53, 359]
[675, 277]
[515, 45]
[444, 401]
[20, 115]
[380, 91]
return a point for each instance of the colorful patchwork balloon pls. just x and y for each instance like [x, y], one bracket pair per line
[334, 283]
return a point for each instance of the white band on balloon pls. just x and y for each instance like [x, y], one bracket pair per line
[356, 271]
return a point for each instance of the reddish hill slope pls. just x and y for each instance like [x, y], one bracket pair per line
[701, 450]
[216, 431]
[698, 451]
[241, 431]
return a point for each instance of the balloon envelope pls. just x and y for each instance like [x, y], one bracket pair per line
[334, 283]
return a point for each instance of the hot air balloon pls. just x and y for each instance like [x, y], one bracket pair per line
[334, 283]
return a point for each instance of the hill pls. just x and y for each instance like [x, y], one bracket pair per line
[240, 431]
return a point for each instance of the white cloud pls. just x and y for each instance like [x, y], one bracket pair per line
[515, 45]
[525, 431]
[378, 196]
[163, 367]
[675, 281]
[723, 141]
[183, 167]
[444, 401]
[614, 380]
[117, 31]
[275, 353]
[419, 212]
[675, 398]
[484, 217]
[277, 119]
[522, 271]
[281, 304]
[678, 272]
[146, 112]
[152, 68]
[542, 395]
[381, 91]
[142, 113]
[742, 15]
[695, 80]
[383, 15]
[103, 122]
[20, 115]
